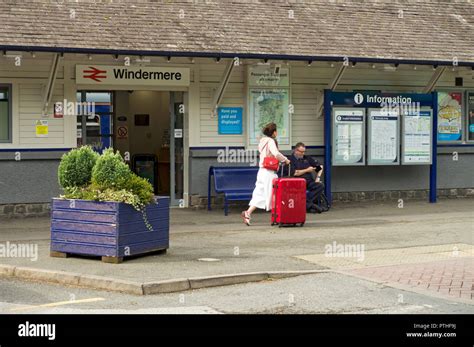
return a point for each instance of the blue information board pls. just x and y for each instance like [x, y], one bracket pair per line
[229, 120]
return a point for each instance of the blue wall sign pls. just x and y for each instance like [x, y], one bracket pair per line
[229, 120]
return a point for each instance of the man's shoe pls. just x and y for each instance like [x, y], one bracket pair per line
[315, 209]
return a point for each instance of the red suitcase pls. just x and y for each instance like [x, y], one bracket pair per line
[289, 201]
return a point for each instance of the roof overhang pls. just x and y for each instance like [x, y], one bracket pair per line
[222, 55]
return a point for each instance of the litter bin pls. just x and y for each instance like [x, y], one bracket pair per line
[144, 165]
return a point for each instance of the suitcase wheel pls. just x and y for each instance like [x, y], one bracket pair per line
[302, 224]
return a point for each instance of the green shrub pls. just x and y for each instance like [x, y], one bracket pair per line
[112, 180]
[141, 188]
[110, 171]
[93, 193]
[75, 168]
[137, 192]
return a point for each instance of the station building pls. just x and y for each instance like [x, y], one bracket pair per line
[189, 84]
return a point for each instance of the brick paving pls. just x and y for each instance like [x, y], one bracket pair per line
[443, 269]
[454, 278]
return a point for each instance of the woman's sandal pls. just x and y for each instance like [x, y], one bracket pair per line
[245, 217]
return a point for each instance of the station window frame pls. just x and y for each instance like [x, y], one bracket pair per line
[10, 116]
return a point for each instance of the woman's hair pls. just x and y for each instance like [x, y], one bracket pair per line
[269, 129]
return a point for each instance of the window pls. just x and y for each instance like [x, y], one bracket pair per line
[5, 113]
[94, 119]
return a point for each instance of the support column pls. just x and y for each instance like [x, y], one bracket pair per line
[434, 148]
[327, 144]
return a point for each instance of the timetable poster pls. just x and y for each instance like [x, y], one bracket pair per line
[348, 137]
[417, 138]
[383, 140]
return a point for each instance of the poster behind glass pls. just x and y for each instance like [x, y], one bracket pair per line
[450, 116]
[266, 106]
[470, 112]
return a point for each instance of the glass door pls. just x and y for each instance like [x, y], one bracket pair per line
[95, 119]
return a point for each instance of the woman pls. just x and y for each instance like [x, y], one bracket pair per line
[262, 194]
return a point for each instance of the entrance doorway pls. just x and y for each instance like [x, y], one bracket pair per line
[145, 123]
[147, 127]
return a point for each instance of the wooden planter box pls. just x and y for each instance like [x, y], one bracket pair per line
[111, 230]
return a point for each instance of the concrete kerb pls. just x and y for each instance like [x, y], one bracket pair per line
[111, 284]
[147, 288]
[41, 275]
[7, 271]
[167, 286]
[226, 280]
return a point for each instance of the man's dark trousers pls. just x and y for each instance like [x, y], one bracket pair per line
[314, 192]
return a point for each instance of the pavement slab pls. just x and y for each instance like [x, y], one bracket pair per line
[386, 231]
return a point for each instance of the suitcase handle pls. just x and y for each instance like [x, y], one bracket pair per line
[289, 170]
[273, 189]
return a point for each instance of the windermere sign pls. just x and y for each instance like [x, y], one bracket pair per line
[127, 75]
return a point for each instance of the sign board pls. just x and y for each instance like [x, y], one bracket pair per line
[268, 76]
[378, 99]
[42, 128]
[383, 137]
[416, 138]
[132, 75]
[230, 120]
[348, 136]
[122, 132]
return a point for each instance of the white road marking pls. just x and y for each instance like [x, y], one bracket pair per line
[54, 304]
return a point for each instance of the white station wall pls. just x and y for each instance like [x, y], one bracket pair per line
[307, 85]
[28, 80]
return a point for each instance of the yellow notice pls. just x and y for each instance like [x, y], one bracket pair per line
[42, 128]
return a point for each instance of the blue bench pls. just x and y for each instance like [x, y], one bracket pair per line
[235, 182]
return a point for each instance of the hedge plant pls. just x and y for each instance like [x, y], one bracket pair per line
[75, 168]
[85, 175]
[110, 171]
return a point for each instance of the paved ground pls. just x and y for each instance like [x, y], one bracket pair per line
[453, 278]
[441, 269]
[422, 246]
[322, 293]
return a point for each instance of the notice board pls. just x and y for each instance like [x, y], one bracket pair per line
[348, 136]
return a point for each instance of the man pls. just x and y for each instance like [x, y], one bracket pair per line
[304, 166]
